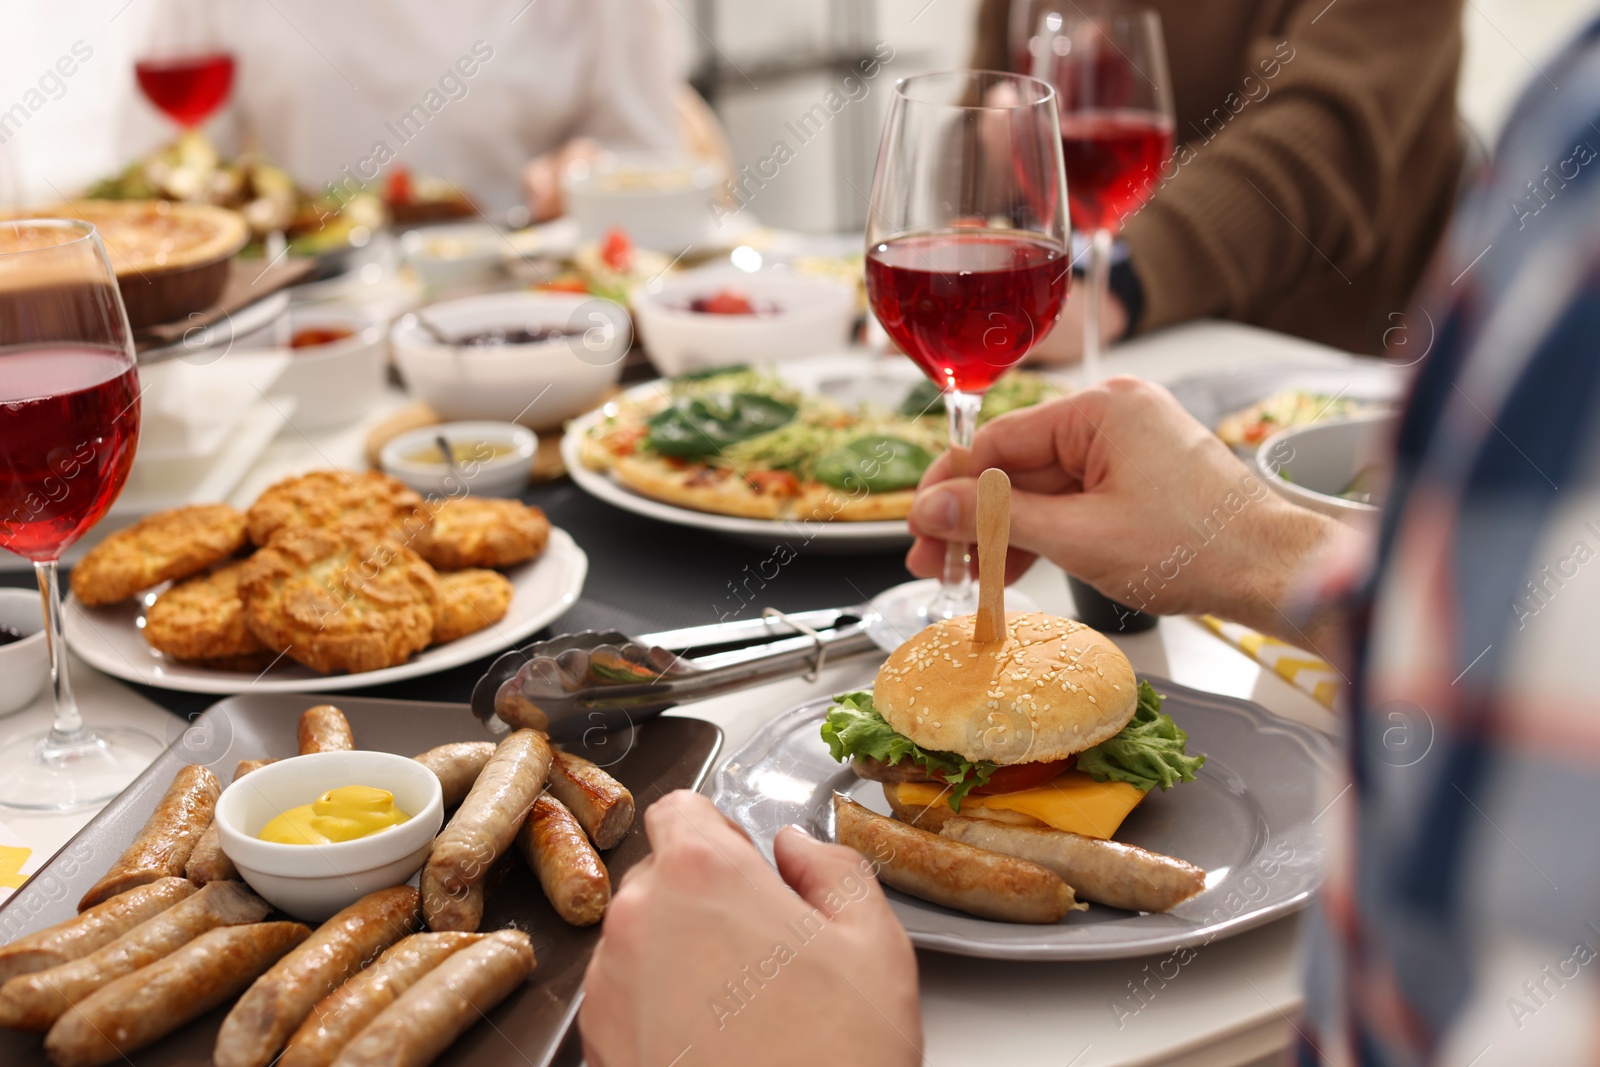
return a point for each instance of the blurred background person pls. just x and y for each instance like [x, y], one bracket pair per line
[356, 89]
[1318, 154]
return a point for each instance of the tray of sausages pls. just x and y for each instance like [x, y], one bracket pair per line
[141, 942]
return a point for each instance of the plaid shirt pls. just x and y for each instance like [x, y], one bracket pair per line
[1461, 921]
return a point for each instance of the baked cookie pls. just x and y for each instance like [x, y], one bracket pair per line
[470, 601]
[158, 548]
[202, 618]
[343, 599]
[474, 531]
[366, 500]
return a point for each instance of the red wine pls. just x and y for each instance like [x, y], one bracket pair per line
[189, 89]
[966, 307]
[69, 422]
[1113, 159]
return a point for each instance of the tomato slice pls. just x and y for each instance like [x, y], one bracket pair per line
[1020, 776]
[616, 250]
[398, 188]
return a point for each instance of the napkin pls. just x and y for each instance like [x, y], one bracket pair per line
[1296, 666]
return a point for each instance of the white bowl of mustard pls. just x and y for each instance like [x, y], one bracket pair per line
[313, 881]
[491, 458]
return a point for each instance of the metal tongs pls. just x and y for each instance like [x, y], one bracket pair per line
[575, 684]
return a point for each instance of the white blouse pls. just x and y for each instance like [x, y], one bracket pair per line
[467, 90]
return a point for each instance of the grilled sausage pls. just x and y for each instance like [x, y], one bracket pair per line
[458, 766]
[278, 1002]
[345, 1012]
[1123, 876]
[36, 1001]
[155, 1000]
[953, 874]
[575, 881]
[459, 910]
[324, 729]
[163, 846]
[602, 805]
[447, 1000]
[485, 825]
[208, 863]
[94, 929]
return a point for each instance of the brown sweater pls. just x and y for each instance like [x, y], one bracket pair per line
[1317, 162]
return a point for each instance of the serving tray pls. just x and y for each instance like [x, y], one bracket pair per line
[654, 758]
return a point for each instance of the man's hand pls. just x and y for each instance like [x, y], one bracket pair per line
[709, 956]
[1119, 486]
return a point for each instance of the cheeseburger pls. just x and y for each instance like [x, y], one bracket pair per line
[1046, 727]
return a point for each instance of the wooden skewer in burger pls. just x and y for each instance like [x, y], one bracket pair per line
[1011, 747]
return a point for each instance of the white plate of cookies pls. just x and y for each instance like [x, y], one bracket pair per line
[331, 580]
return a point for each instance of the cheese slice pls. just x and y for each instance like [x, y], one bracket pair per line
[1073, 801]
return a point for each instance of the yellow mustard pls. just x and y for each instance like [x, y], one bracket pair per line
[344, 813]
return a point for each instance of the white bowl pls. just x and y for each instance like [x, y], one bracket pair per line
[337, 382]
[1322, 458]
[312, 882]
[810, 317]
[661, 202]
[454, 254]
[541, 384]
[24, 664]
[504, 475]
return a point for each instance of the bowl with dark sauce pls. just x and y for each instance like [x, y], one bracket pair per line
[533, 358]
[24, 657]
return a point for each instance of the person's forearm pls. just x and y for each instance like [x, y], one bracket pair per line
[1276, 595]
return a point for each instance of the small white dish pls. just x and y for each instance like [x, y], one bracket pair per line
[1312, 465]
[796, 317]
[539, 383]
[661, 201]
[504, 474]
[312, 882]
[24, 664]
[454, 254]
[337, 382]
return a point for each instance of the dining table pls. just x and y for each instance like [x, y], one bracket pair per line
[1236, 1001]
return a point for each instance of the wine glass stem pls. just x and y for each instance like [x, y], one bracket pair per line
[67, 729]
[962, 409]
[1099, 281]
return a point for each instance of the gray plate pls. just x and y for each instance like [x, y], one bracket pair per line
[1246, 819]
[672, 752]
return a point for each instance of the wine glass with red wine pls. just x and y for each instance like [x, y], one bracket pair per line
[69, 423]
[1108, 64]
[967, 259]
[183, 70]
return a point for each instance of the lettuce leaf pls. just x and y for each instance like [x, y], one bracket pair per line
[1149, 752]
[853, 727]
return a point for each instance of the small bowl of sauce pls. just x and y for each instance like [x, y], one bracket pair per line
[314, 834]
[487, 458]
[24, 657]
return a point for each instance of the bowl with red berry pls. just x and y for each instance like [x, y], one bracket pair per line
[722, 316]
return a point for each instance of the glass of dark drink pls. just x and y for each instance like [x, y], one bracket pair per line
[1108, 63]
[183, 70]
[967, 258]
[69, 423]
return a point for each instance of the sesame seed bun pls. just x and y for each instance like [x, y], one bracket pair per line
[1051, 688]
